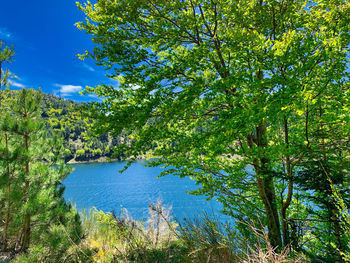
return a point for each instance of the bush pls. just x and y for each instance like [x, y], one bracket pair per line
[158, 239]
[80, 152]
[114, 239]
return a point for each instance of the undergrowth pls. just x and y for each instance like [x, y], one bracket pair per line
[111, 238]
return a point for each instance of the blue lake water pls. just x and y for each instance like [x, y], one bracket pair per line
[100, 185]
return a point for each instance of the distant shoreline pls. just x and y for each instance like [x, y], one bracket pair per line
[98, 160]
[105, 159]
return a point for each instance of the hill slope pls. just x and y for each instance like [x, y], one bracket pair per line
[65, 116]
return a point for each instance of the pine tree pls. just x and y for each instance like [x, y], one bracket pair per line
[5, 56]
[35, 219]
[36, 209]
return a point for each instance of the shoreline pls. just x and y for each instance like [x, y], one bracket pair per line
[98, 160]
[105, 159]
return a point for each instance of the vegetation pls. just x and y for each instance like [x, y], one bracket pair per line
[34, 217]
[33, 212]
[247, 98]
[64, 117]
[122, 239]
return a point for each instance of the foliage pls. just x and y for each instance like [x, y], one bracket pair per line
[159, 239]
[237, 95]
[33, 213]
[65, 117]
[122, 239]
[317, 181]
[6, 55]
[344, 222]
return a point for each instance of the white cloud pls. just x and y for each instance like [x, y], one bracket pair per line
[88, 67]
[4, 33]
[68, 90]
[94, 96]
[17, 85]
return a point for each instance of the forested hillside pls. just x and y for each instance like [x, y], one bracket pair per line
[65, 116]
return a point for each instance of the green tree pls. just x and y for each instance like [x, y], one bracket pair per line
[34, 217]
[37, 217]
[5, 56]
[317, 182]
[65, 117]
[344, 219]
[219, 86]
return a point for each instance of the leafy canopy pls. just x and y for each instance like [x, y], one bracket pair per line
[213, 87]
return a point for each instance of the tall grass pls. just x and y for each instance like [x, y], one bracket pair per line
[122, 239]
[111, 238]
[263, 252]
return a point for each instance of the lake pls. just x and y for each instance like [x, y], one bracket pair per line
[100, 185]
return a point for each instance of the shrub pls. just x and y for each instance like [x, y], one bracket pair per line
[80, 152]
[115, 238]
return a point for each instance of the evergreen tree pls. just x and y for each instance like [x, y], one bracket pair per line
[5, 56]
[35, 219]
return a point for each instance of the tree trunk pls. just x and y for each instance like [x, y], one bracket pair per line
[268, 196]
[27, 219]
[7, 215]
[267, 189]
[26, 233]
[338, 233]
[286, 204]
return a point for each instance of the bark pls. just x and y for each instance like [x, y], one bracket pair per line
[26, 233]
[7, 215]
[27, 218]
[268, 197]
[286, 204]
[266, 188]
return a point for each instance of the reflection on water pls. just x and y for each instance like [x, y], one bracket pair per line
[100, 185]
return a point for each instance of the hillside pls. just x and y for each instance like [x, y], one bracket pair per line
[65, 116]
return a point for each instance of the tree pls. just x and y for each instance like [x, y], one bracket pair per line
[32, 168]
[5, 56]
[219, 86]
[33, 214]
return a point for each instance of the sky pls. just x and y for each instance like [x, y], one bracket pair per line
[46, 44]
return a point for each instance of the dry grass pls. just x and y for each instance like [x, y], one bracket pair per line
[265, 253]
[158, 239]
[122, 239]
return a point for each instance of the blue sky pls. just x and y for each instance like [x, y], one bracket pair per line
[46, 43]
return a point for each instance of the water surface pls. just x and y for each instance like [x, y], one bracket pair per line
[100, 185]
